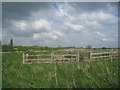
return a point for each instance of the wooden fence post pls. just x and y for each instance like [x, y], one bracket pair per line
[27, 57]
[51, 57]
[110, 56]
[90, 55]
[78, 56]
[23, 58]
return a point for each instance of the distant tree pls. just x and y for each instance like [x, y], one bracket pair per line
[89, 46]
[11, 43]
[35, 46]
[59, 46]
[5, 48]
[103, 47]
[46, 47]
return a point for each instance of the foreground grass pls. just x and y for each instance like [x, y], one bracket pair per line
[96, 74]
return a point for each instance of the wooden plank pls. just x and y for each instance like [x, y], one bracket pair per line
[38, 55]
[101, 56]
[50, 55]
[102, 53]
[69, 55]
[65, 55]
[65, 59]
[37, 59]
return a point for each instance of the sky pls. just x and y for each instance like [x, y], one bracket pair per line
[64, 24]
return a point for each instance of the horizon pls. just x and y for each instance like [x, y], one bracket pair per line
[82, 47]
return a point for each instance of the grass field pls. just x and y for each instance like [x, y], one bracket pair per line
[95, 74]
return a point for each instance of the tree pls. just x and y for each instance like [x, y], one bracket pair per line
[5, 48]
[59, 46]
[103, 47]
[89, 46]
[11, 43]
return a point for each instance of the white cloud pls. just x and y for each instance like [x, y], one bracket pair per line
[104, 39]
[100, 34]
[88, 20]
[24, 25]
[36, 35]
[91, 24]
[75, 26]
[40, 24]
[21, 25]
[54, 35]
[100, 17]
[62, 12]
[104, 17]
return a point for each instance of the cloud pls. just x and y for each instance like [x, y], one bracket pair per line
[100, 34]
[64, 14]
[104, 39]
[22, 25]
[54, 35]
[104, 17]
[98, 17]
[40, 24]
[75, 27]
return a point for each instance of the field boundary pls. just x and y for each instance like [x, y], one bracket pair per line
[28, 59]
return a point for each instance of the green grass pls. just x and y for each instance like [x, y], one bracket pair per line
[96, 74]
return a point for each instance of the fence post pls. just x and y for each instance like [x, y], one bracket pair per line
[23, 58]
[90, 55]
[51, 56]
[27, 57]
[110, 56]
[78, 56]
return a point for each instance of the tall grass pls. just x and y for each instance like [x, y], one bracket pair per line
[95, 74]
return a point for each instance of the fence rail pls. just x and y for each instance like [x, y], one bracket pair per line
[106, 55]
[40, 55]
[103, 53]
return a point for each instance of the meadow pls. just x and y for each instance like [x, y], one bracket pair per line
[101, 73]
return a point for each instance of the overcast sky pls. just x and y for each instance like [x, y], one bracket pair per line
[60, 24]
